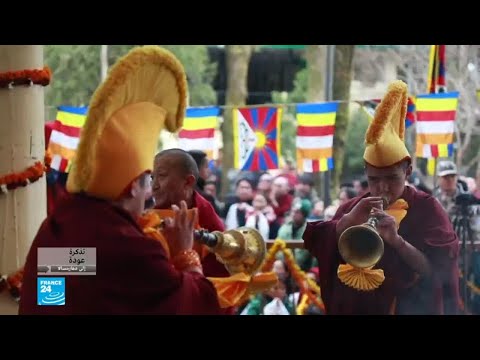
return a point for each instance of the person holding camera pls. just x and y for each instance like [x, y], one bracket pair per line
[449, 186]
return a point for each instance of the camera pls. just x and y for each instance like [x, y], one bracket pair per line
[466, 199]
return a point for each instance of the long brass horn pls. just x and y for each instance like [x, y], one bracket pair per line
[361, 246]
[242, 250]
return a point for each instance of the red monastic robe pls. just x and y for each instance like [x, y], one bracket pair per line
[427, 227]
[133, 273]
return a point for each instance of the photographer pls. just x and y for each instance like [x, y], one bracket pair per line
[463, 210]
[449, 187]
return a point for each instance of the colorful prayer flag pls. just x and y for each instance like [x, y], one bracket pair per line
[256, 135]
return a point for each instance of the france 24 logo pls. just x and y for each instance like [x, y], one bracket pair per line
[51, 291]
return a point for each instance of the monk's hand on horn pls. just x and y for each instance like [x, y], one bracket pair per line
[387, 227]
[360, 213]
[179, 230]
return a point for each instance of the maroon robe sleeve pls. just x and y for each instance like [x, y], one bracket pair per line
[133, 274]
[441, 246]
[320, 239]
[154, 277]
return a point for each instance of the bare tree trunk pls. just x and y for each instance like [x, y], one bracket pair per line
[237, 61]
[103, 61]
[315, 55]
[316, 59]
[22, 143]
[341, 91]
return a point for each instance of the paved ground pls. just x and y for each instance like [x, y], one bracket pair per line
[8, 306]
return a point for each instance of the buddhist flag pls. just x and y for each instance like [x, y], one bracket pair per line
[256, 138]
[316, 127]
[198, 131]
[65, 136]
[436, 124]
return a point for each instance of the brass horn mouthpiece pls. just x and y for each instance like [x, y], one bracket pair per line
[240, 250]
[207, 238]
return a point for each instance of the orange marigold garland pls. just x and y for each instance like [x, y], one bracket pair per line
[300, 278]
[13, 283]
[28, 176]
[277, 246]
[26, 77]
[313, 291]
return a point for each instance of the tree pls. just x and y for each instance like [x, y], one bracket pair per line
[77, 72]
[341, 91]
[353, 164]
[76, 75]
[288, 125]
[237, 61]
[308, 87]
[104, 62]
[316, 59]
[200, 70]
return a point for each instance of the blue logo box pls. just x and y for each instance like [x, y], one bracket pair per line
[51, 291]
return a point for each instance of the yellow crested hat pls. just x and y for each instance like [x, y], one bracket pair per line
[384, 139]
[145, 91]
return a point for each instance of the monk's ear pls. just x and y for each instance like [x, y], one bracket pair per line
[409, 170]
[190, 181]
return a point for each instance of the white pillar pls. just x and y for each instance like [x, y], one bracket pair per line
[22, 143]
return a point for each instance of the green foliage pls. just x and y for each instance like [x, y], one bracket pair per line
[289, 122]
[357, 127]
[300, 87]
[200, 72]
[288, 127]
[76, 72]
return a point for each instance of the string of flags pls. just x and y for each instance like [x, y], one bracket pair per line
[257, 131]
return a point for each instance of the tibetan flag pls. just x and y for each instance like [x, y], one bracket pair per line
[198, 131]
[436, 70]
[436, 124]
[411, 112]
[315, 131]
[256, 138]
[65, 136]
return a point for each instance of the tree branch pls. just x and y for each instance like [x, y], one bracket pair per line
[471, 163]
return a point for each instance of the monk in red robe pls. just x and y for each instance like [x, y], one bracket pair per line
[175, 176]
[420, 271]
[108, 182]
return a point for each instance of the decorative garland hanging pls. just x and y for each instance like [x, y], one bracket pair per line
[312, 292]
[31, 174]
[10, 79]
